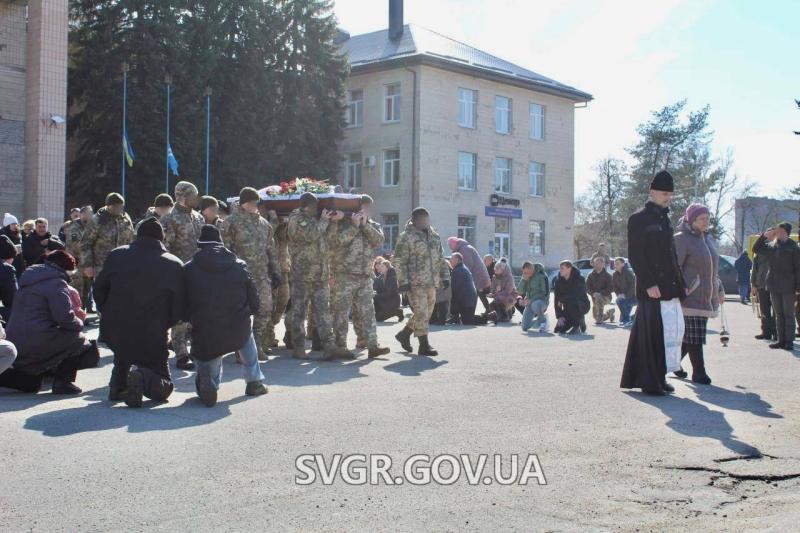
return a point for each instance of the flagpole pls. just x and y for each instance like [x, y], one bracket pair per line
[124, 119]
[168, 82]
[208, 135]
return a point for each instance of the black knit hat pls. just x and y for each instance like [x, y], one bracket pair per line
[114, 198]
[419, 212]
[163, 200]
[150, 227]
[308, 198]
[7, 249]
[662, 182]
[209, 234]
[247, 195]
[208, 201]
[786, 226]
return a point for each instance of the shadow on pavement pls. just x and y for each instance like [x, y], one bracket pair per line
[694, 419]
[734, 400]
[286, 371]
[415, 365]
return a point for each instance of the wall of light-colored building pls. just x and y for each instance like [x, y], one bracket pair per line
[755, 214]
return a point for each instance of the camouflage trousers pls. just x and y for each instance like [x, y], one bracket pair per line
[263, 318]
[317, 294]
[279, 300]
[82, 284]
[180, 335]
[353, 292]
[422, 301]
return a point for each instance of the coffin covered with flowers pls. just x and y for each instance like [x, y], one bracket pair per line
[285, 197]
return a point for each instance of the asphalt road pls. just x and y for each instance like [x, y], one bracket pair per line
[715, 458]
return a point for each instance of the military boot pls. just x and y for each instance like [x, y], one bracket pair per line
[376, 349]
[404, 337]
[361, 344]
[337, 352]
[425, 348]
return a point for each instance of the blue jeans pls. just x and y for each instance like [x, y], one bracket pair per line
[534, 314]
[744, 292]
[250, 369]
[625, 306]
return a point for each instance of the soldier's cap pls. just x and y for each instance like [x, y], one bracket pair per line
[308, 198]
[163, 200]
[115, 198]
[247, 195]
[209, 234]
[223, 207]
[150, 227]
[419, 212]
[87, 209]
[365, 199]
[208, 201]
[184, 189]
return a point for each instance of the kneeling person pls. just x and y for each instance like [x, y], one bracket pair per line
[221, 299]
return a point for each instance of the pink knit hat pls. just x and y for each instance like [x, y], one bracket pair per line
[452, 242]
[694, 211]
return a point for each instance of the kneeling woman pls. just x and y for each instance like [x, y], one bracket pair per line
[45, 330]
[570, 300]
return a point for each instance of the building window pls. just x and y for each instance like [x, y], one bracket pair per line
[502, 114]
[466, 228]
[467, 107]
[391, 103]
[391, 230]
[537, 121]
[502, 175]
[536, 237]
[502, 238]
[352, 175]
[391, 168]
[536, 179]
[467, 171]
[354, 114]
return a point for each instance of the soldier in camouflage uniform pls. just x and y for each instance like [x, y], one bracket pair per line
[162, 206]
[308, 248]
[182, 228]
[73, 234]
[421, 269]
[248, 235]
[209, 208]
[110, 228]
[281, 296]
[351, 261]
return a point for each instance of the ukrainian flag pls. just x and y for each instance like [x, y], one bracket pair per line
[126, 146]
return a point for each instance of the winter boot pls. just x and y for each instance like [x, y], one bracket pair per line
[425, 348]
[255, 388]
[206, 390]
[64, 387]
[376, 350]
[698, 365]
[404, 337]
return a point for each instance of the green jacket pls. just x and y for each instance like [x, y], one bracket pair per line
[537, 287]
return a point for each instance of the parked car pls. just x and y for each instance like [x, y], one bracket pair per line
[727, 273]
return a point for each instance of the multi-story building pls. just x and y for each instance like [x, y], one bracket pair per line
[754, 214]
[33, 102]
[485, 145]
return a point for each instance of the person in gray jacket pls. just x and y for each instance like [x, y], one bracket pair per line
[758, 282]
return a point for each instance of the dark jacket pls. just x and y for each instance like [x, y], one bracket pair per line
[651, 251]
[220, 299]
[140, 293]
[784, 264]
[16, 238]
[624, 282]
[42, 326]
[572, 290]
[8, 289]
[758, 275]
[465, 296]
[33, 249]
[743, 266]
[599, 282]
[387, 295]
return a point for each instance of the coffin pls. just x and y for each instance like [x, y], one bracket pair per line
[283, 205]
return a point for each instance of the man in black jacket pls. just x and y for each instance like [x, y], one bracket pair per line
[140, 294]
[221, 299]
[39, 242]
[783, 280]
[758, 282]
[659, 288]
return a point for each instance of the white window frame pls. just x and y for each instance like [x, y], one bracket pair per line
[391, 231]
[532, 238]
[354, 171]
[536, 114]
[391, 103]
[498, 178]
[354, 114]
[502, 110]
[467, 108]
[536, 170]
[394, 168]
[464, 230]
[465, 167]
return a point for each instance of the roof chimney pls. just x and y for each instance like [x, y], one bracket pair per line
[395, 19]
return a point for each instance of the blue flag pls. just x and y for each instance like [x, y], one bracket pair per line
[173, 163]
[130, 157]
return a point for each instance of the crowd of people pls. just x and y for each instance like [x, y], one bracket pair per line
[205, 280]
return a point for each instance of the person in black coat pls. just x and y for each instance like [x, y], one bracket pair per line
[221, 298]
[140, 295]
[39, 242]
[570, 300]
[783, 279]
[659, 284]
[12, 231]
[387, 296]
[8, 277]
[465, 295]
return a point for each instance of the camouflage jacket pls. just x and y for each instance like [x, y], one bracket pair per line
[418, 258]
[308, 246]
[282, 244]
[250, 237]
[353, 248]
[73, 233]
[181, 230]
[104, 233]
[151, 212]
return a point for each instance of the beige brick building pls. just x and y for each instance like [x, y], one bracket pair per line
[33, 101]
[437, 123]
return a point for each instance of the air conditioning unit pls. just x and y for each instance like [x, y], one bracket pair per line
[370, 161]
